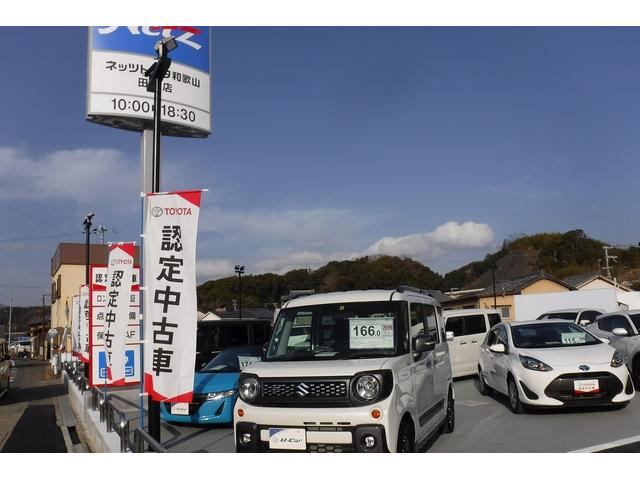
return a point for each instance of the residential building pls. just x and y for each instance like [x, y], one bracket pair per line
[592, 281]
[537, 282]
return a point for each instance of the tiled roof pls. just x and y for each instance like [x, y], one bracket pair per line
[579, 280]
[512, 286]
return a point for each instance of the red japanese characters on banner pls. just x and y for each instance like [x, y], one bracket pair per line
[170, 308]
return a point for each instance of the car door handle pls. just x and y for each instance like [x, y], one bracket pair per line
[474, 341]
[463, 343]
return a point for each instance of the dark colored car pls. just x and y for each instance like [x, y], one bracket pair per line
[216, 335]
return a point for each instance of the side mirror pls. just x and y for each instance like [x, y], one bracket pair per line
[584, 323]
[421, 344]
[450, 336]
[498, 348]
[620, 332]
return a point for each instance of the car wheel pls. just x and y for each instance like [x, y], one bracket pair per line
[482, 385]
[405, 439]
[514, 399]
[635, 372]
[450, 417]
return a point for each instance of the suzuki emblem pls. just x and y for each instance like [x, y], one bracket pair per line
[302, 389]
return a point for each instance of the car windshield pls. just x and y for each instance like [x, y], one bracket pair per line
[635, 318]
[561, 315]
[549, 335]
[336, 331]
[233, 360]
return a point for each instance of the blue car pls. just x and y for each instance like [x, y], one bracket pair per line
[215, 389]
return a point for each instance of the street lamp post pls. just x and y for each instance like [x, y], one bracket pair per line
[493, 280]
[240, 272]
[44, 351]
[156, 74]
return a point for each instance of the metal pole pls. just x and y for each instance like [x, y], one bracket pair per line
[240, 279]
[154, 406]
[10, 308]
[44, 355]
[493, 278]
[87, 279]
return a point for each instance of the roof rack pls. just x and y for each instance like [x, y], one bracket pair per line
[409, 288]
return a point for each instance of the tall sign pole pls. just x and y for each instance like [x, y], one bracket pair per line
[156, 73]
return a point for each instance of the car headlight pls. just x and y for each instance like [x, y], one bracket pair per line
[249, 388]
[617, 360]
[534, 364]
[220, 395]
[367, 388]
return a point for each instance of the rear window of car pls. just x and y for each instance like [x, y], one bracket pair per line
[494, 319]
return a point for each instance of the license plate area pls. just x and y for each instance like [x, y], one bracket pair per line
[586, 386]
[179, 409]
[287, 439]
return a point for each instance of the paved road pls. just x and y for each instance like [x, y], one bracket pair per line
[35, 417]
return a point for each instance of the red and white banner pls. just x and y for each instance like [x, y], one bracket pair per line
[98, 299]
[75, 325]
[116, 310]
[84, 323]
[170, 306]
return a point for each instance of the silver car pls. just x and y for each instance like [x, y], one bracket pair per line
[623, 331]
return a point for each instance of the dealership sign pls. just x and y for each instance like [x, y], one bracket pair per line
[75, 325]
[170, 308]
[117, 93]
[84, 323]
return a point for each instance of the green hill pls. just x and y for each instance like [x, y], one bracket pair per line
[559, 254]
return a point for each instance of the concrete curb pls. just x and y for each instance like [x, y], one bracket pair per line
[97, 437]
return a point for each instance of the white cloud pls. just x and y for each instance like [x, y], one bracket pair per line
[209, 269]
[82, 175]
[450, 236]
[428, 246]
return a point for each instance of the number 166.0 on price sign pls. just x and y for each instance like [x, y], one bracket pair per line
[371, 332]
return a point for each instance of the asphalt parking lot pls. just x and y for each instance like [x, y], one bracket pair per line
[483, 424]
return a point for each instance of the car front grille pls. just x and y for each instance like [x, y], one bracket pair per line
[302, 389]
[562, 388]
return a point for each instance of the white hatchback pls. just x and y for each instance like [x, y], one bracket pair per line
[552, 363]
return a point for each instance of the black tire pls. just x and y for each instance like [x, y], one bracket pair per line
[515, 404]
[406, 441]
[635, 372]
[450, 417]
[482, 385]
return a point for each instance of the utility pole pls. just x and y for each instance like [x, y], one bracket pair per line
[100, 229]
[493, 280]
[608, 257]
[240, 271]
[10, 308]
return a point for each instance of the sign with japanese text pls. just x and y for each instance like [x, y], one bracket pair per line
[170, 308]
[117, 93]
[129, 329]
[84, 323]
[116, 309]
[75, 325]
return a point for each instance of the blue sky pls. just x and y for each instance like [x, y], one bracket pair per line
[329, 143]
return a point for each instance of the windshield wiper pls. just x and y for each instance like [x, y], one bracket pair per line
[355, 355]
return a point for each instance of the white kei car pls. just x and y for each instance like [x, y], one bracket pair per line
[552, 363]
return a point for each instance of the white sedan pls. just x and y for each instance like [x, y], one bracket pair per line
[552, 363]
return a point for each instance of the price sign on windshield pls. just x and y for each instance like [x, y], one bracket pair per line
[371, 332]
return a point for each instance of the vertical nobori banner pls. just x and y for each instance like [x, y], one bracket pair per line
[84, 323]
[170, 307]
[116, 309]
[75, 325]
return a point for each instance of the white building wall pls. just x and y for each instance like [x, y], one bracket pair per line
[531, 306]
